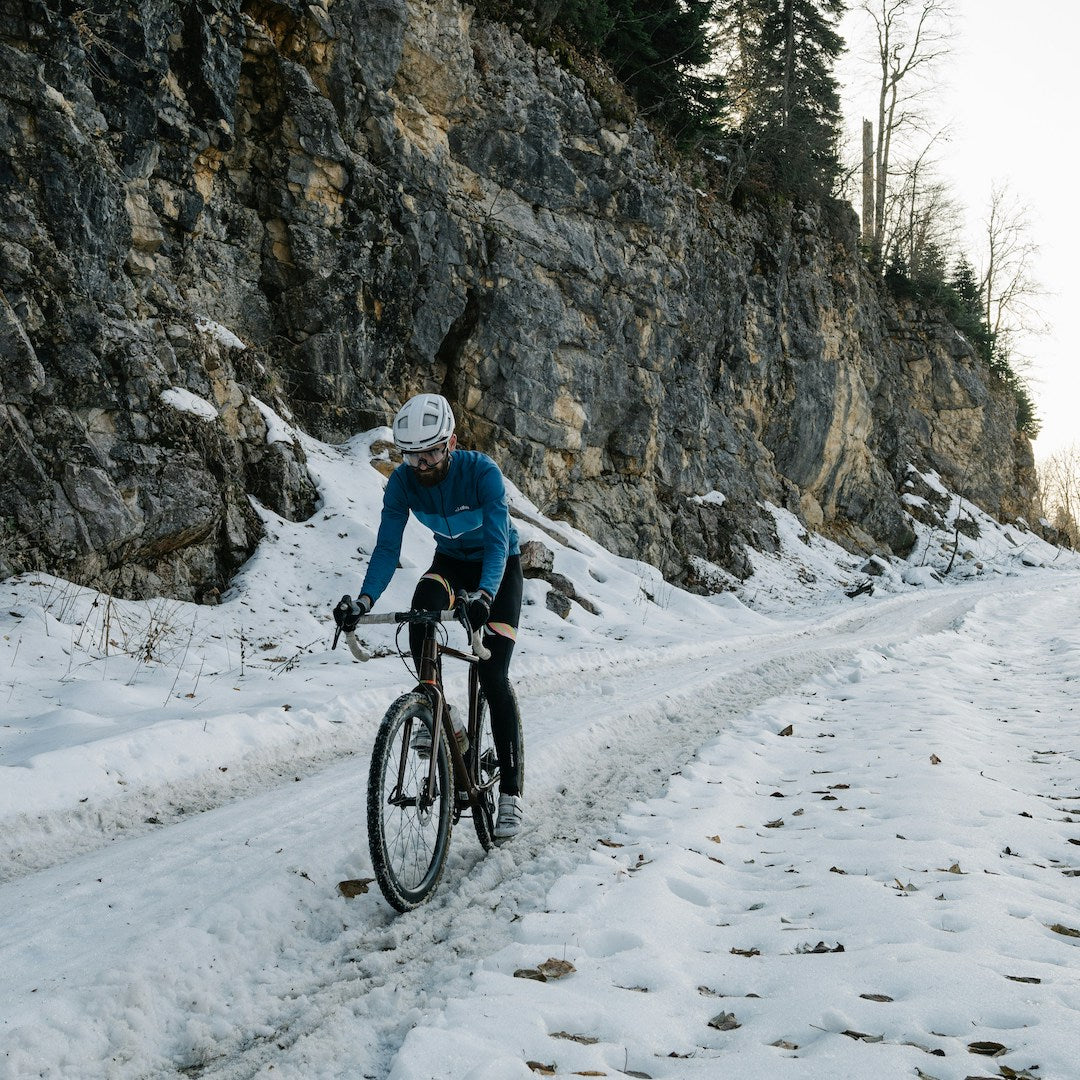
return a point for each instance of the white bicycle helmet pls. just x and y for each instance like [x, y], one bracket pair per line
[423, 422]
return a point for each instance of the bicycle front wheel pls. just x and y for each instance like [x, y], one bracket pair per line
[408, 831]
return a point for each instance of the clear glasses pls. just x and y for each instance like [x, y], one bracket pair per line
[425, 459]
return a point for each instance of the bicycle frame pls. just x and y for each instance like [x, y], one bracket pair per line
[430, 682]
[430, 675]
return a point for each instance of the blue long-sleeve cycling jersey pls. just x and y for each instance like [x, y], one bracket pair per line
[466, 511]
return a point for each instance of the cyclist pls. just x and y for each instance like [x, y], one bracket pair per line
[460, 495]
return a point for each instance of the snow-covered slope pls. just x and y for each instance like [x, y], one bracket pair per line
[182, 788]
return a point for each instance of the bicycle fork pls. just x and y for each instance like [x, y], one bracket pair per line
[431, 685]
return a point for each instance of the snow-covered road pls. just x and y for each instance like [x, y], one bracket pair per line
[216, 945]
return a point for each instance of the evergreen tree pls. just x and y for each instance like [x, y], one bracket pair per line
[969, 312]
[660, 49]
[788, 97]
[966, 286]
[930, 271]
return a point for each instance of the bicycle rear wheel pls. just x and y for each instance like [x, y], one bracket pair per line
[483, 765]
[408, 834]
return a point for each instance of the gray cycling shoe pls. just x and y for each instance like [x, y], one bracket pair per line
[508, 819]
[421, 741]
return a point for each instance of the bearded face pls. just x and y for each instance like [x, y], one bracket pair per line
[430, 466]
[433, 474]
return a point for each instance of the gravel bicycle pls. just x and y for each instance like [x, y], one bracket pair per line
[418, 788]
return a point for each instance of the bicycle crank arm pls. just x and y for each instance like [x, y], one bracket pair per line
[411, 800]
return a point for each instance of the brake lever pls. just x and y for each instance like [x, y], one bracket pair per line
[341, 609]
[476, 637]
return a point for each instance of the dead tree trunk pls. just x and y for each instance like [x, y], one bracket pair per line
[868, 232]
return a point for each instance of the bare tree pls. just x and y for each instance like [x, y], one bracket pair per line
[1059, 492]
[922, 218]
[1007, 283]
[912, 35]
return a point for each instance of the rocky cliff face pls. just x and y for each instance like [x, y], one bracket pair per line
[327, 206]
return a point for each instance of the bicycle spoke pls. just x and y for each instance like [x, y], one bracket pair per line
[408, 833]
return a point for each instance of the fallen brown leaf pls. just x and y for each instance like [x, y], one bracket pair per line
[530, 973]
[1065, 931]
[934, 1052]
[987, 1049]
[818, 949]
[556, 969]
[354, 887]
[861, 1036]
[724, 1022]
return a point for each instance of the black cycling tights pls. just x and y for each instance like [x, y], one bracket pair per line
[448, 576]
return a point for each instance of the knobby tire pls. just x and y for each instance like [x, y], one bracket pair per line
[483, 764]
[408, 843]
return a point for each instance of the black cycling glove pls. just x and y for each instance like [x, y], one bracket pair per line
[348, 612]
[478, 610]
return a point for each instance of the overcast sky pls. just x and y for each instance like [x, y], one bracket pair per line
[1007, 91]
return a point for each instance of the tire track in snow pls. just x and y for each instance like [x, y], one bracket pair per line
[374, 982]
[29, 844]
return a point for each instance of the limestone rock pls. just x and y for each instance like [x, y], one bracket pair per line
[328, 207]
[559, 603]
[537, 559]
